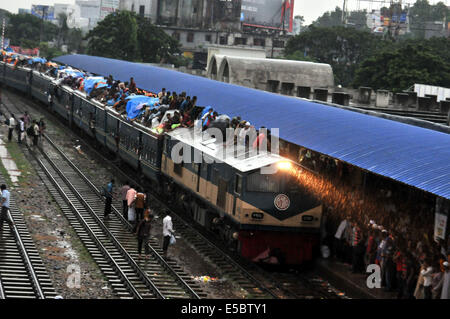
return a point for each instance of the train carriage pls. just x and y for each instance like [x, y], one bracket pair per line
[112, 131]
[40, 86]
[151, 149]
[84, 114]
[62, 101]
[100, 125]
[129, 144]
[18, 78]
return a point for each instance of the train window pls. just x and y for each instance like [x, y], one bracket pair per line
[262, 183]
[238, 184]
[178, 169]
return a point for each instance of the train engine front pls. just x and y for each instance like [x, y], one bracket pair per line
[279, 219]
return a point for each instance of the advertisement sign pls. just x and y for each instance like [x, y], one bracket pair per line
[43, 12]
[440, 225]
[268, 13]
[108, 7]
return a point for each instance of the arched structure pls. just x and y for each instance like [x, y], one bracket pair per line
[278, 76]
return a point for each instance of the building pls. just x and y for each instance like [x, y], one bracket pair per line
[273, 75]
[145, 8]
[24, 11]
[199, 24]
[90, 10]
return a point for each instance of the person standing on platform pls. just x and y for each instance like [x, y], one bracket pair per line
[131, 200]
[167, 232]
[5, 207]
[108, 193]
[140, 204]
[123, 194]
[11, 126]
[427, 272]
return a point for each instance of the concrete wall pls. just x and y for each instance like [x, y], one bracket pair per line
[279, 76]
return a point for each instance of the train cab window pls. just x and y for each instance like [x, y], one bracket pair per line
[238, 184]
[257, 182]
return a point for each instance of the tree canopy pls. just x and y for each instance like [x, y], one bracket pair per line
[25, 30]
[127, 36]
[343, 48]
[399, 67]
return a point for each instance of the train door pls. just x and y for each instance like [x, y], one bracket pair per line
[238, 182]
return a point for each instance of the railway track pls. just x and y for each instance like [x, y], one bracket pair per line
[257, 283]
[111, 243]
[22, 272]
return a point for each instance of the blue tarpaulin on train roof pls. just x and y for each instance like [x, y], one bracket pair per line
[136, 102]
[90, 82]
[409, 154]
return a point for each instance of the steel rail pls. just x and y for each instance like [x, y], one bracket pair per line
[149, 283]
[90, 231]
[23, 251]
[2, 293]
[158, 257]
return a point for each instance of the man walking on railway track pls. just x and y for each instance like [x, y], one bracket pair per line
[167, 232]
[140, 205]
[35, 133]
[143, 233]
[123, 195]
[11, 126]
[108, 193]
[5, 207]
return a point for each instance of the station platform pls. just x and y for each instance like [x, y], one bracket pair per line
[340, 275]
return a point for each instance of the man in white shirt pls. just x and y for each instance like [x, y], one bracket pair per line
[21, 132]
[427, 272]
[167, 232]
[5, 207]
[11, 126]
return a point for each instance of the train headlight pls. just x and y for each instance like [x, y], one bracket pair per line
[284, 166]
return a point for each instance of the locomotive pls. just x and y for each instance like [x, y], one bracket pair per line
[259, 215]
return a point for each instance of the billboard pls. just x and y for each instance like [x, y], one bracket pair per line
[43, 12]
[107, 7]
[268, 13]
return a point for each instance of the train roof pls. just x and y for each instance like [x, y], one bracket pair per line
[211, 148]
[409, 154]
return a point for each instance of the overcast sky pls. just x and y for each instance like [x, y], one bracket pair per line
[310, 9]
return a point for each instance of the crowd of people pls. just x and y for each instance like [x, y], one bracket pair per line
[388, 225]
[136, 210]
[161, 112]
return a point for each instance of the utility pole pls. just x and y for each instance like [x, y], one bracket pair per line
[344, 12]
[3, 33]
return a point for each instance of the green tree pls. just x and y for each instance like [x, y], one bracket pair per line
[343, 48]
[399, 68]
[25, 30]
[116, 36]
[155, 44]
[127, 36]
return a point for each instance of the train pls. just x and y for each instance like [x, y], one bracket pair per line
[266, 218]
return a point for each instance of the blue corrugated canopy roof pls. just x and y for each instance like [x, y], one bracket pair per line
[409, 154]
